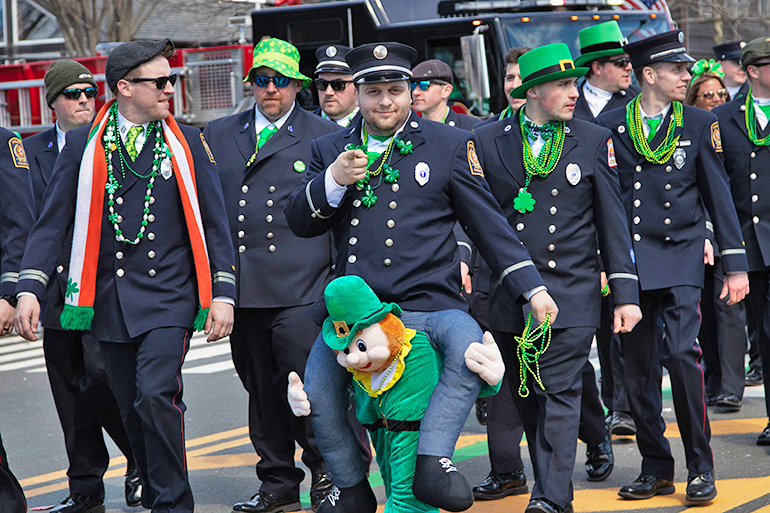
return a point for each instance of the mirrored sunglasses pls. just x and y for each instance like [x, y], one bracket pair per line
[337, 84]
[620, 63]
[722, 93]
[425, 84]
[160, 82]
[264, 81]
[74, 93]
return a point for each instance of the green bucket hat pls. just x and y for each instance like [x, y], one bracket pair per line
[353, 306]
[279, 55]
[602, 40]
[544, 64]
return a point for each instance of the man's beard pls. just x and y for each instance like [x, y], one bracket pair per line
[378, 126]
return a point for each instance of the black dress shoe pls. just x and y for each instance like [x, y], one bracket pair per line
[264, 502]
[622, 423]
[546, 506]
[79, 503]
[497, 486]
[481, 411]
[600, 460]
[700, 487]
[729, 402]
[711, 399]
[754, 378]
[764, 436]
[647, 486]
[321, 486]
[133, 488]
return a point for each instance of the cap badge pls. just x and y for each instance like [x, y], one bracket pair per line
[331, 51]
[380, 52]
[573, 173]
[681, 37]
[85, 75]
[422, 173]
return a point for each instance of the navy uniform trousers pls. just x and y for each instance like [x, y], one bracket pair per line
[11, 495]
[81, 391]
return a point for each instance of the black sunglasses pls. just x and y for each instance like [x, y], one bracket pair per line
[160, 82]
[337, 84]
[760, 64]
[264, 81]
[424, 85]
[74, 93]
[620, 63]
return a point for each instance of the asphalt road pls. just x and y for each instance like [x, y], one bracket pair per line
[221, 459]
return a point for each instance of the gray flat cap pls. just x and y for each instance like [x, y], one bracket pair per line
[130, 55]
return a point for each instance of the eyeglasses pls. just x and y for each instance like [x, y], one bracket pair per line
[621, 63]
[722, 93]
[160, 82]
[425, 84]
[264, 81]
[74, 93]
[337, 84]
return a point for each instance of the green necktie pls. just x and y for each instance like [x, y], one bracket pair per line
[133, 132]
[264, 135]
[653, 124]
[765, 109]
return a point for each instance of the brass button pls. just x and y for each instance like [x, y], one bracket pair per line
[551, 247]
[754, 198]
[552, 228]
[637, 220]
[638, 168]
[241, 218]
[756, 219]
[638, 185]
[269, 235]
[271, 248]
[120, 273]
[353, 241]
[60, 269]
[667, 205]
[354, 221]
[753, 176]
[271, 188]
[119, 255]
[753, 154]
[241, 248]
[551, 264]
[391, 223]
[393, 205]
[394, 187]
[667, 239]
[151, 218]
[119, 219]
[554, 192]
[242, 203]
[151, 254]
[150, 236]
[667, 221]
[356, 203]
[519, 227]
[389, 242]
[667, 187]
[269, 203]
[637, 237]
[152, 200]
[553, 211]
[245, 189]
[269, 218]
[637, 202]
[241, 234]
[352, 259]
[152, 273]
[119, 201]
[668, 169]
[387, 261]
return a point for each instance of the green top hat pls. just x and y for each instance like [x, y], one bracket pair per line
[544, 64]
[279, 55]
[602, 40]
[353, 306]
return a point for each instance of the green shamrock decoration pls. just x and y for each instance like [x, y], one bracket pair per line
[391, 174]
[72, 288]
[112, 218]
[524, 202]
[405, 148]
[369, 199]
[112, 186]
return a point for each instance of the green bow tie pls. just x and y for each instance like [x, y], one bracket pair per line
[545, 131]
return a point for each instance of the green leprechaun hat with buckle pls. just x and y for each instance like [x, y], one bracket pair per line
[279, 55]
[602, 40]
[352, 306]
[544, 64]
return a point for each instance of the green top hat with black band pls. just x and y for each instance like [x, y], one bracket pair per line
[544, 64]
[352, 306]
[279, 55]
[601, 40]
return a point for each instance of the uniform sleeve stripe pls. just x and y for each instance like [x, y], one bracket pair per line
[709, 226]
[316, 212]
[627, 276]
[34, 274]
[9, 277]
[512, 268]
[733, 252]
[222, 276]
[465, 245]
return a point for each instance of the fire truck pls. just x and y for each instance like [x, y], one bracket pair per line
[471, 36]
[210, 87]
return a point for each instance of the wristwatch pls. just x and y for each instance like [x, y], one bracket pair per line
[11, 299]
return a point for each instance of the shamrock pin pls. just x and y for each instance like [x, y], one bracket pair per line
[112, 186]
[391, 174]
[360, 184]
[405, 148]
[369, 199]
[524, 202]
[113, 218]
[72, 288]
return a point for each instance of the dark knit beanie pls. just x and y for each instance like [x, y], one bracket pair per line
[63, 73]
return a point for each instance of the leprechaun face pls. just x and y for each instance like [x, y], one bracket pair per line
[369, 351]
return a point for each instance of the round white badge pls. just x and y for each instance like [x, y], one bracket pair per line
[681, 37]
[380, 52]
[331, 51]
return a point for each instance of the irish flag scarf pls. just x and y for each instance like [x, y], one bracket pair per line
[81, 287]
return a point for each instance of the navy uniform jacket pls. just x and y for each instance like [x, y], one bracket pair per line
[561, 232]
[403, 246]
[747, 166]
[458, 120]
[276, 268]
[619, 99]
[663, 203]
[743, 91]
[17, 209]
[148, 285]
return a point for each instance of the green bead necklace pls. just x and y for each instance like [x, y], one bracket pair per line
[542, 165]
[529, 355]
[111, 142]
[751, 122]
[665, 150]
[384, 169]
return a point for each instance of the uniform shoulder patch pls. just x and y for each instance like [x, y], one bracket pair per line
[18, 153]
[473, 160]
[208, 150]
[611, 161]
[716, 137]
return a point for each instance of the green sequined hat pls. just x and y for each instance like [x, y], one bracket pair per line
[601, 40]
[352, 306]
[279, 55]
[544, 64]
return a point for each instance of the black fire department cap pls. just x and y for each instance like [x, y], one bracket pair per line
[129, 55]
[664, 47]
[729, 51]
[381, 62]
[331, 59]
